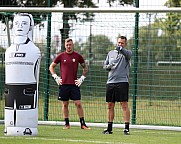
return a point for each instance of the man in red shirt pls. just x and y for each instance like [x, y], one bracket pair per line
[69, 85]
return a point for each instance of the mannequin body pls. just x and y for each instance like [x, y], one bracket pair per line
[22, 61]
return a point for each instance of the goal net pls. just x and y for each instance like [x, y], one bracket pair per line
[153, 35]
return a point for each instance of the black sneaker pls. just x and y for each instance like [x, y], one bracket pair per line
[126, 132]
[107, 132]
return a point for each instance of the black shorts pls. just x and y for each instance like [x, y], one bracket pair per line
[67, 92]
[117, 92]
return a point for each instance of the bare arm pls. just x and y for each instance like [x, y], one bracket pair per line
[52, 68]
[85, 69]
[79, 81]
[54, 75]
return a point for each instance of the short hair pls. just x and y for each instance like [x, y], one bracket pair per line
[68, 40]
[123, 37]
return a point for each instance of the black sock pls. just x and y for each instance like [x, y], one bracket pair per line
[109, 127]
[127, 125]
[82, 121]
[66, 121]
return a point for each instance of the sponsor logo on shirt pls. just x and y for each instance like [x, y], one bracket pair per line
[17, 55]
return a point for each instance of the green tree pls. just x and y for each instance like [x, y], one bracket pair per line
[39, 17]
[152, 45]
[173, 27]
[96, 46]
[171, 32]
[121, 2]
[167, 45]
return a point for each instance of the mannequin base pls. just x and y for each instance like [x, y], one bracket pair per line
[20, 131]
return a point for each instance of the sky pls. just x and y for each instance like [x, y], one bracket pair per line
[106, 24]
[113, 24]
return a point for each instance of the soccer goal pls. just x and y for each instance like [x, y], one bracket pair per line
[153, 36]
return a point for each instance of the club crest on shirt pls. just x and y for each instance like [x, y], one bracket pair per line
[73, 60]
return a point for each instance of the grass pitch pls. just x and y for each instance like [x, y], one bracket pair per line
[75, 135]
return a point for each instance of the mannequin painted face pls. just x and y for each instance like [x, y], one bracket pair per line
[21, 25]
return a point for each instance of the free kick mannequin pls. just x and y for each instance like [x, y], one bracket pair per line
[22, 62]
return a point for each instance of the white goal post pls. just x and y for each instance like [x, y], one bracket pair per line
[101, 10]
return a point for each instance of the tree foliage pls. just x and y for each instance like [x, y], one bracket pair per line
[172, 28]
[95, 47]
[173, 22]
[121, 2]
[39, 17]
[52, 3]
[165, 46]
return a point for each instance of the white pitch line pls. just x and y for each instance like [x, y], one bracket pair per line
[68, 140]
[160, 132]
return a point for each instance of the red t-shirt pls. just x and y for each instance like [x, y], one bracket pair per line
[69, 66]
